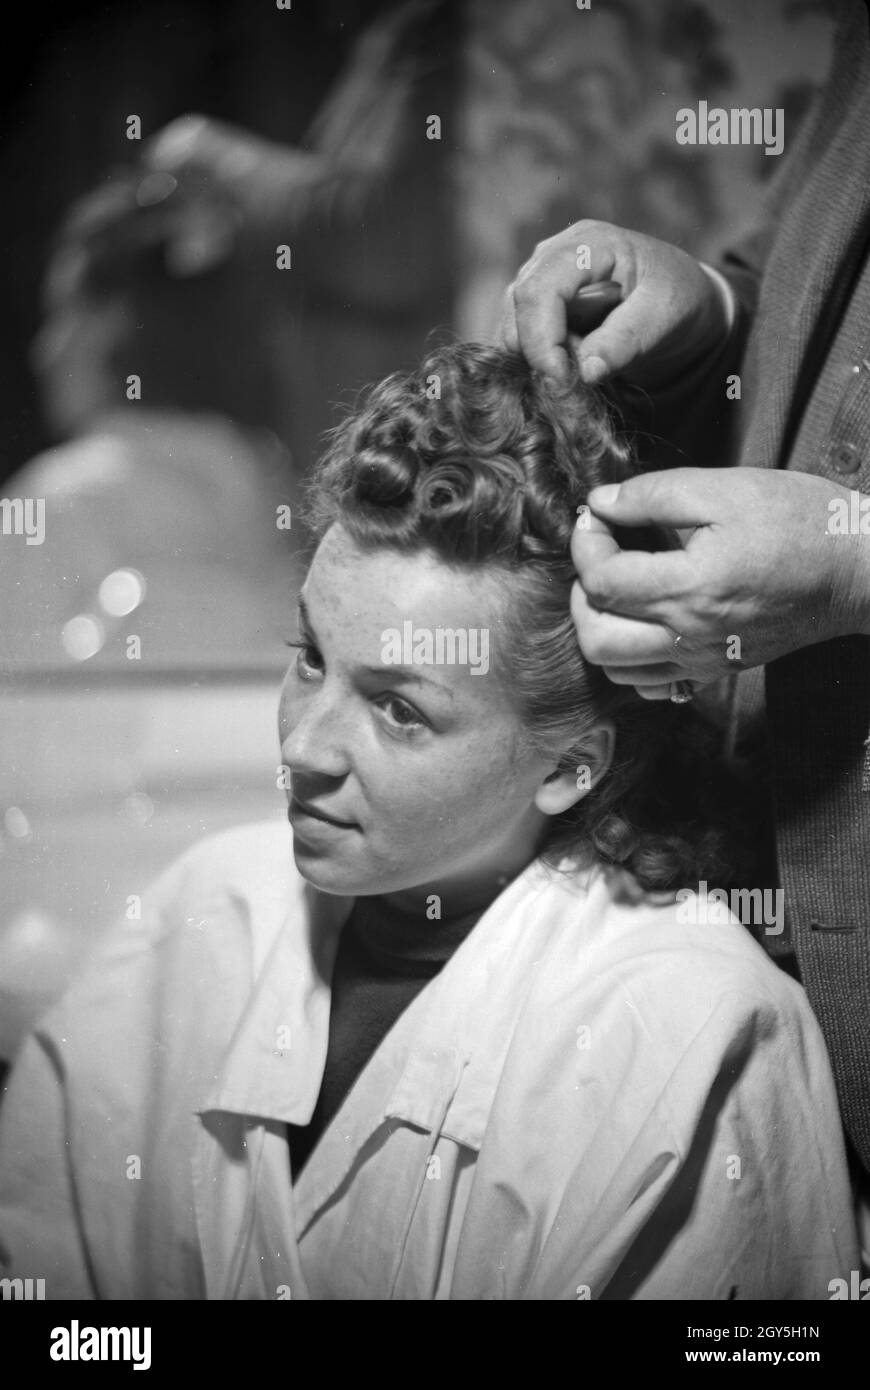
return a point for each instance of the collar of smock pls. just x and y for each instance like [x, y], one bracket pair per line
[438, 1067]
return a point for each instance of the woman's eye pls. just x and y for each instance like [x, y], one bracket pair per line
[400, 713]
[308, 658]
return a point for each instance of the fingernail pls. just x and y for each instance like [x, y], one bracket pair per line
[604, 496]
[583, 518]
[593, 370]
[557, 368]
[178, 139]
[155, 188]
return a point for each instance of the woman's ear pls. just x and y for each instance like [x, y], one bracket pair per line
[561, 790]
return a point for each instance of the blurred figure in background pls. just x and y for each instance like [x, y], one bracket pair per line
[176, 328]
[187, 374]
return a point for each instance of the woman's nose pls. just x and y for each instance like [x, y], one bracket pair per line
[313, 735]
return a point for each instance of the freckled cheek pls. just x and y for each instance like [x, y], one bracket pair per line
[442, 803]
[492, 765]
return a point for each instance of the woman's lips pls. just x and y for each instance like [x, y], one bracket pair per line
[300, 808]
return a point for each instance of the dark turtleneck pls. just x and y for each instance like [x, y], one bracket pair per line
[386, 954]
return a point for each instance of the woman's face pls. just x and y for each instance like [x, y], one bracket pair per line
[416, 765]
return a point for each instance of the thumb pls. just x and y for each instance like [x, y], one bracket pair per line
[631, 333]
[676, 498]
[175, 145]
[592, 542]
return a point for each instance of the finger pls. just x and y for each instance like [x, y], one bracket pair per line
[676, 497]
[98, 209]
[541, 293]
[660, 673]
[608, 640]
[592, 542]
[541, 331]
[590, 306]
[654, 692]
[640, 584]
[176, 144]
[631, 330]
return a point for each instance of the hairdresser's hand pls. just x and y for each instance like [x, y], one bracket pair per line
[760, 574]
[672, 312]
[209, 158]
[217, 181]
[198, 187]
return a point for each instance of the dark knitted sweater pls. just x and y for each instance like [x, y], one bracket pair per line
[386, 955]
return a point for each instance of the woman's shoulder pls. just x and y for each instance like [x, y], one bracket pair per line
[631, 996]
[693, 951]
[250, 860]
[250, 866]
[211, 916]
[180, 971]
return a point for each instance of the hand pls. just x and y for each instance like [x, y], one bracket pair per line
[671, 314]
[198, 186]
[218, 182]
[206, 158]
[759, 575]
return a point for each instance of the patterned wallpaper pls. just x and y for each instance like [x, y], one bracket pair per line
[570, 113]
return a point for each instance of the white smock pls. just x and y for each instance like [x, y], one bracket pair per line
[592, 1099]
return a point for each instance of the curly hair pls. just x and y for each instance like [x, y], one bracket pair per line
[480, 460]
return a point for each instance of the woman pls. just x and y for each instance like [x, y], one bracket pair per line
[469, 1047]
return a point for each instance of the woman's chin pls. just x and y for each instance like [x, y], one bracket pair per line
[328, 874]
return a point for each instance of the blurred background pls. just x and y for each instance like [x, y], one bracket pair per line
[221, 218]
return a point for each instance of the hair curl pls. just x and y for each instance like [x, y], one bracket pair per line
[482, 461]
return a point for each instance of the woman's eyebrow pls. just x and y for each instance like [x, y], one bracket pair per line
[304, 615]
[400, 674]
[403, 675]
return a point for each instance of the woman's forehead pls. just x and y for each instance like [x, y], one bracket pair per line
[359, 584]
[379, 608]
